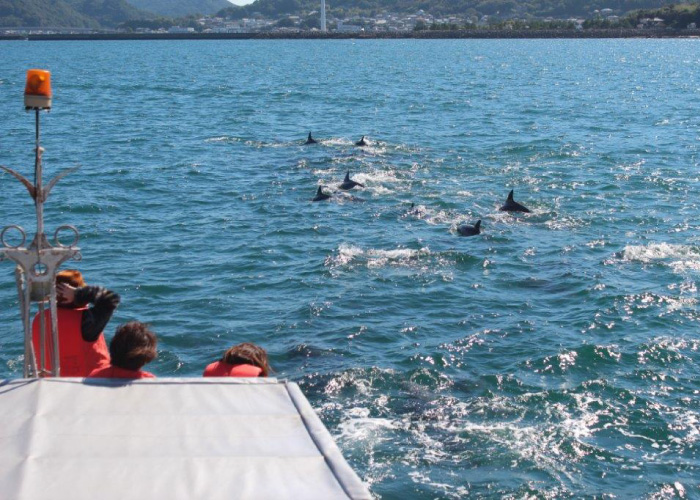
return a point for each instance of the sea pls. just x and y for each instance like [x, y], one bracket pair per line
[554, 355]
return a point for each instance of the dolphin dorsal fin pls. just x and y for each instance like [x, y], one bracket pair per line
[347, 176]
[510, 196]
[478, 224]
[310, 136]
[319, 190]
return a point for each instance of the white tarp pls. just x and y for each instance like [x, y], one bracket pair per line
[170, 439]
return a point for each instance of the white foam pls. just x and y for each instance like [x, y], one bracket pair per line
[685, 255]
[567, 360]
[374, 258]
[223, 138]
[377, 177]
[381, 190]
[326, 172]
[336, 141]
[595, 243]
[564, 223]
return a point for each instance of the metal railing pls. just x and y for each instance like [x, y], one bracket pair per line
[36, 267]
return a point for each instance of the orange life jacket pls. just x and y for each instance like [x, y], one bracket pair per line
[221, 369]
[77, 357]
[112, 371]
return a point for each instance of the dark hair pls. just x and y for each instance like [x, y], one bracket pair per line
[133, 346]
[248, 354]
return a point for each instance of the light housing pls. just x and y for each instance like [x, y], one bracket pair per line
[37, 92]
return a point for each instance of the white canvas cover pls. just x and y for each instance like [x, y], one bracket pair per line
[170, 439]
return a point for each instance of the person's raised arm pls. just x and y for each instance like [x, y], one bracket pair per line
[103, 301]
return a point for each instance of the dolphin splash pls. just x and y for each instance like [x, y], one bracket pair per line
[513, 206]
[348, 184]
[320, 195]
[467, 230]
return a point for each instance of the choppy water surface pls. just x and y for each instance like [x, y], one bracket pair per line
[555, 355]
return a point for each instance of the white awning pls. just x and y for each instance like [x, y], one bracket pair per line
[170, 439]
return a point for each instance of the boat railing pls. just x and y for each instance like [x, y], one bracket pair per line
[37, 264]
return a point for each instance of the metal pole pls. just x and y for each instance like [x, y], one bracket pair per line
[42, 339]
[55, 357]
[39, 201]
[36, 266]
[28, 347]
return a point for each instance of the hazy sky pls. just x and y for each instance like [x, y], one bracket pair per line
[241, 2]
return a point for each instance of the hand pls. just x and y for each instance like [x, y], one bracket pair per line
[65, 293]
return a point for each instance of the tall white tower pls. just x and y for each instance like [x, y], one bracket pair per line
[323, 16]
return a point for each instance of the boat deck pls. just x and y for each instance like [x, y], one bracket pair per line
[185, 438]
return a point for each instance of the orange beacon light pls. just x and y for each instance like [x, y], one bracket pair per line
[37, 92]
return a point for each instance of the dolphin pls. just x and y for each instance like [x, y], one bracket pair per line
[311, 140]
[349, 184]
[320, 195]
[467, 230]
[415, 211]
[361, 142]
[513, 206]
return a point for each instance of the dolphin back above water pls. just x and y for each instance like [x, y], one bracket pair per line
[467, 230]
[512, 205]
[361, 142]
[311, 140]
[348, 183]
[320, 195]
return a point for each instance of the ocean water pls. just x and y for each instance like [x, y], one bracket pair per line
[553, 356]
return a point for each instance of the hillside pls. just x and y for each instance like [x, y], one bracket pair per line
[677, 16]
[500, 8]
[109, 13]
[180, 8]
[67, 13]
[42, 13]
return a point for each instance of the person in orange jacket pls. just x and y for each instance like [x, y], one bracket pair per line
[133, 345]
[81, 343]
[242, 360]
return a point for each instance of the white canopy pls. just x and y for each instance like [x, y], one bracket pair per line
[170, 439]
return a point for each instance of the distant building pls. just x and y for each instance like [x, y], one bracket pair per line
[650, 23]
[347, 28]
[178, 29]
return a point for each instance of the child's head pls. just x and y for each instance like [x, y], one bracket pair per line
[248, 354]
[71, 277]
[133, 346]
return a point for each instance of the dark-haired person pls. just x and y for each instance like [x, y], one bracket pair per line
[242, 360]
[132, 347]
[81, 344]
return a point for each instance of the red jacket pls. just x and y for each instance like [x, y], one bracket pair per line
[76, 356]
[112, 371]
[221, 369]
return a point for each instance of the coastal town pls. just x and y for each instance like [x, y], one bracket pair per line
[381, 23]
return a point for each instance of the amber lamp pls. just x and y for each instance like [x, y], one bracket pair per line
[37, 92]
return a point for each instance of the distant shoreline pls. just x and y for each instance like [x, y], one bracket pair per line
[420, 35]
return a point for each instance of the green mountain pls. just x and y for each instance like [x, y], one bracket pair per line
[500, 8]
[109, 13]
[67, 13]
[180, 8]
[42, 13]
